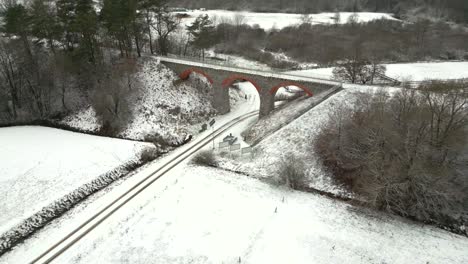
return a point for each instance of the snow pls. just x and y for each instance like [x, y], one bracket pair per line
[201, 215]
[425, 71]
[166, 109]
[240, 105]
[269, 21]
[55, 231]
[288, 93]
[40, 165]
[86, 120]
[406, 71]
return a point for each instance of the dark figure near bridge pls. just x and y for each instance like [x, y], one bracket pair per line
[188, 139]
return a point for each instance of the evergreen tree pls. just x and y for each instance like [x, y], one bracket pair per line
[44, 23]
[67, 16]
[202, 33]
[17, 21]
[86, 27]
[120, 19]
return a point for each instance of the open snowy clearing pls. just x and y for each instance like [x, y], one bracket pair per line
[40, 165]
[406, 71]
[200, 215]
[270, 21]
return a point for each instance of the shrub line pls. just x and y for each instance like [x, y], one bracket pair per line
[40, 219]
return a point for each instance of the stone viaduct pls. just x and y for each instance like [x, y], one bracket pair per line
[266, 83]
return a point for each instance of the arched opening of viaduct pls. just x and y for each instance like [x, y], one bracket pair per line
[221, 80]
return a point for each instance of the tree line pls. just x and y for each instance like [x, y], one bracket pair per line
[56, 55]
[327, 44]
[404, 153]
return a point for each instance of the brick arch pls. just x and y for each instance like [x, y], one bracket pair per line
[231, 79]
[186, 74]
[275, 89]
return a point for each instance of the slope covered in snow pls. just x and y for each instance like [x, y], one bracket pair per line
[165, 109]
[161, 110]
[40, 165]
[295, 141]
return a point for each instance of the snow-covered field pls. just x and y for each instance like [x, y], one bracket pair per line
[407, 71]
[200, 215]
[270, 21]
[40, 165]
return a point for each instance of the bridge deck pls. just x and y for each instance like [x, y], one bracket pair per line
[275, 75]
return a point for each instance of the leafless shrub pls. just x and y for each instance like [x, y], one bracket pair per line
[405, 153]
[148, 154]
[205, 158]
[158, 140]
[359, 71]
[292, 173]
[111, 98]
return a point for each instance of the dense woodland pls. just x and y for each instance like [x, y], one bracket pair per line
[449, 9]
[58, 56]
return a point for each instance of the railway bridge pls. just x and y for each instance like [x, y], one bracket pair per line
[266, 83]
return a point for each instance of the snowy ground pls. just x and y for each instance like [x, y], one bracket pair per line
[40, 165]
[270, 21]
[59, 227]
[407, 71]
[200, 215]
[284, 115]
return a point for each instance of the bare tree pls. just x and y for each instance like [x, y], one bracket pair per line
[11, 76]
[337, 18]
[404, 153]
[111, 99]
[166, 24]
[307, 19]
[239, 19]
